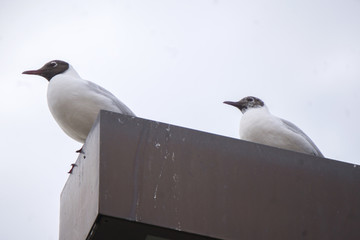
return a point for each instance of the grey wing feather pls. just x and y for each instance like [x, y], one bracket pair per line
[123, 108]
[297, 130]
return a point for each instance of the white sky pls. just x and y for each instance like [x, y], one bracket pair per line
[175, 62]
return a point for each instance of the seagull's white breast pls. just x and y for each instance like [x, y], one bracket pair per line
[73, 105]
[260, 126]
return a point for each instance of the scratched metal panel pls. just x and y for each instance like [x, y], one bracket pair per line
[158, 176]
[79, 199]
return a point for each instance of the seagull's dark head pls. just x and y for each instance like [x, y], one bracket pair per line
[247, 103]
[50, 69]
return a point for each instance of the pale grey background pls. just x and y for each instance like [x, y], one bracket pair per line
[175, 62]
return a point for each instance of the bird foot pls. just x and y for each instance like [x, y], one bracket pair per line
[72, 167]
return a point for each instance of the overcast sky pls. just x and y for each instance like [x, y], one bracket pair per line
[174, 62]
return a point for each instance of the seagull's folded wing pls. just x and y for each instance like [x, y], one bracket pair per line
[102, 91]
[297, 130]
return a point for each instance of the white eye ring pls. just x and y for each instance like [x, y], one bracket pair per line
[53, 64]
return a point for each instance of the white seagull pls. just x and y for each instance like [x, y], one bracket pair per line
[75, 102]
[260, 126]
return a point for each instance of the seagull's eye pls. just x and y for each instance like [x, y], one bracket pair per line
[250, 99]
[53, 64]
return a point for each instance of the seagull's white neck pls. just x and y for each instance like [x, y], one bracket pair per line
[253, 110]
[253, 123]
[71, 72]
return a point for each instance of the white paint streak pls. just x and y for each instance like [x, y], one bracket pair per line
[155, 193]
[175, 178]
[137, 208]
[168, 128]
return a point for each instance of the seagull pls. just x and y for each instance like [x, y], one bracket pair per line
[260, 126]
[75, 102]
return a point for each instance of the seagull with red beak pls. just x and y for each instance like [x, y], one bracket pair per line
[75, 102]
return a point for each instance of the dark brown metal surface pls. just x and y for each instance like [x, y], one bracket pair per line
[80, 197]
[143, 176]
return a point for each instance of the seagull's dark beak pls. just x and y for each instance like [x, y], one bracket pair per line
[33, 72]
[43, 72]
[235, 104]
[240, 105]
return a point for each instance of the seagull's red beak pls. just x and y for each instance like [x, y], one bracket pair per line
[33, 72]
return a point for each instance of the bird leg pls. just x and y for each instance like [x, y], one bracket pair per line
[72, 167]
[80, 150]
